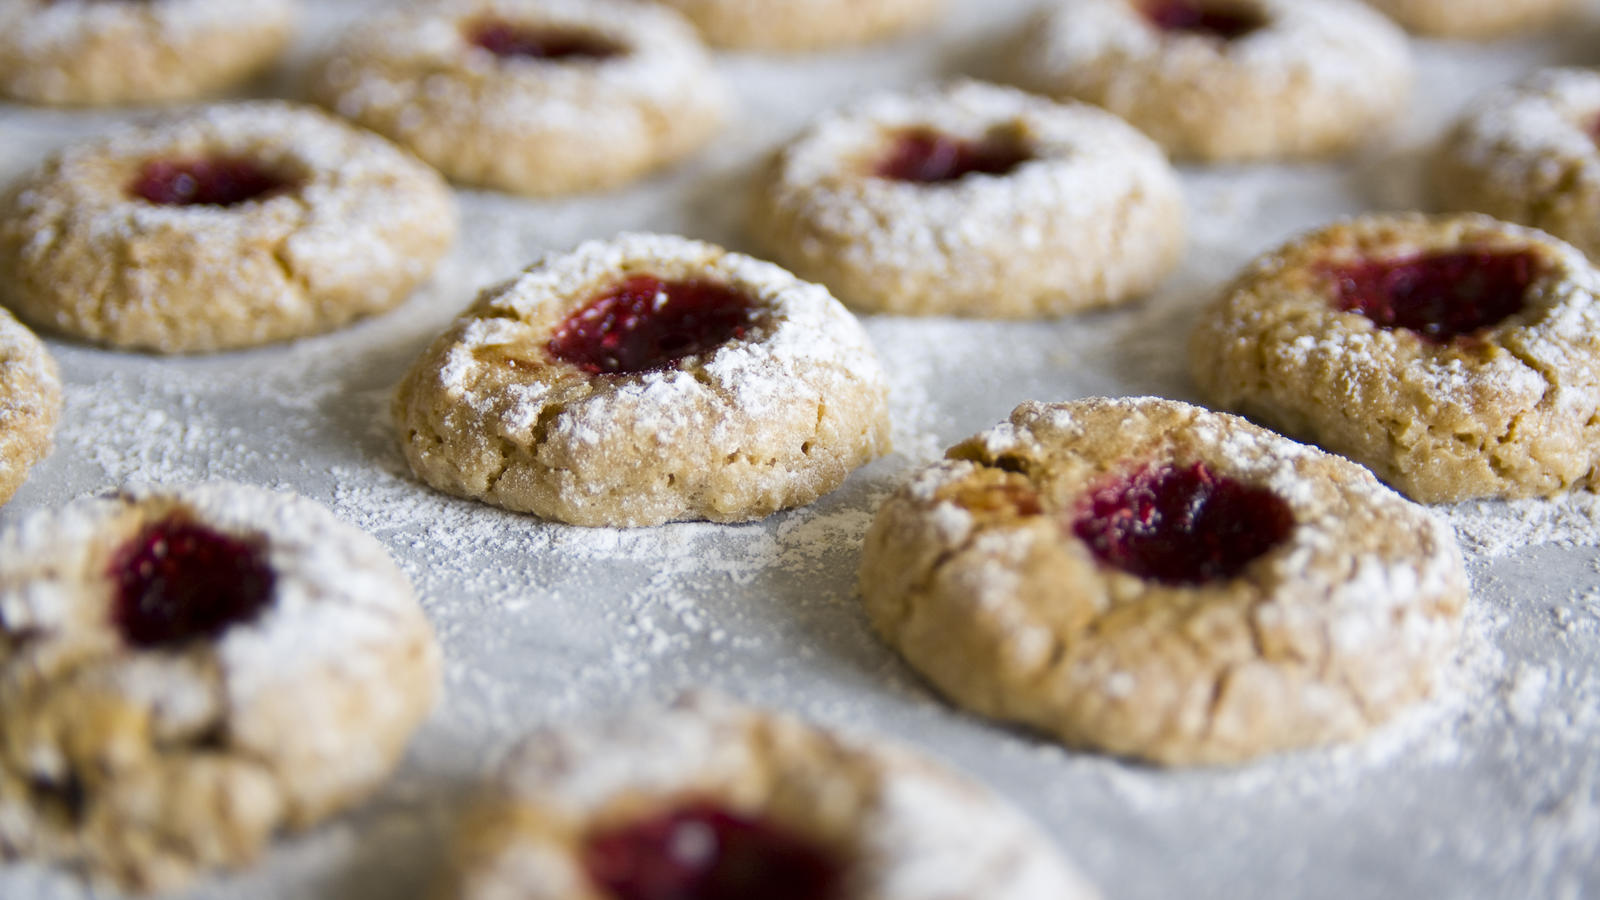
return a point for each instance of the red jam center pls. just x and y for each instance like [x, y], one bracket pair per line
[703, 852]
[220, 181]
[648, 324]
[1439, 296]
[1201, 17]
[177, 581]
[928, 157]
[1182, 526]
[505, 39]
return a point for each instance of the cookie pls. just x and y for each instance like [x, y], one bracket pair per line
[1527, 154]
[642, 380]
[798, 25]
[91, 53]
[959, 200]
[30, 403]
[225, 227]
[1473, 18]
[1225, 82]
[708, 800]
[1150, 579]
[534, 97]
[184, 671]
[1456, 357]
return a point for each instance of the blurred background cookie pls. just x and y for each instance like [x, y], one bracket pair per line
[710, 800]
[224, 227]
[94, 53]
[1527, 153]
[184, 671]
[1225, 82]
[972, 199]
[797, 25]
[530, 96]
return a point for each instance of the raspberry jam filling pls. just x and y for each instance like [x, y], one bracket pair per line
[1182, 526]
[704, 852]
[1439, 296]
[1200, 17]
[218, 181]
[925, 156]
[646, 324]
[178, 580]
[505, 39]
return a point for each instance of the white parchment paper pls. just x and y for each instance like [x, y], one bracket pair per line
[1488, 792]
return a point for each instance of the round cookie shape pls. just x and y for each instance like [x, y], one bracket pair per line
[802, 25]
[642, 380]
[973, 200]
[1225, 80]
[104, 52]
[782, 810]
[537, 97]
[1527, 153]
[226, 227]
[1150, 579]
[30, 403]
[184, 671]
[1479, 19]
[1457, 357]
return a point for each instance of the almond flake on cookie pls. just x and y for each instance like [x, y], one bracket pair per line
[1225, 80]
[710, 800]
[645, 379]
[223, 227]
[185, 671]
[537, 97]
[1154, 580]
[976, 200]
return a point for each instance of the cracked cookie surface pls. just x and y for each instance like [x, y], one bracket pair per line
[185, 671]
[226, 227]
[537, 97]
[611, 809]
[774, 415]
[979, 572]
[1528, 153]
[30, 403]
[1296, 78]
[959, 200]
[91, 53]
[1510, 408]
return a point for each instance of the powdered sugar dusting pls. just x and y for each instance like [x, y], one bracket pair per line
[543, 623]
[1338, 46]
[1545, 119]
[1083, 165]
[48, 28]
[918, 831]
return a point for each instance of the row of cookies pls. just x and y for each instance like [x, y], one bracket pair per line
[186, 671]
[652, 292]
[80, 53]
[243, 224]
[558, 96]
